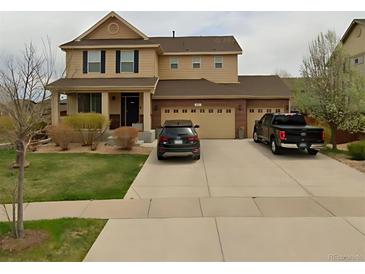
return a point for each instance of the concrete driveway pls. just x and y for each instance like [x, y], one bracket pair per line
[241, 168]
[239, 203]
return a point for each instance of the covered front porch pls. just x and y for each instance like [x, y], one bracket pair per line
[122, 105]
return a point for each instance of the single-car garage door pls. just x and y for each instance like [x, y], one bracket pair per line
[214, 122]
[256, 113]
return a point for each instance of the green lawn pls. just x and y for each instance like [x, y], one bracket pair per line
[67, 176]
[69, 240]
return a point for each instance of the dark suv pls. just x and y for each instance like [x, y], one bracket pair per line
[178, 137]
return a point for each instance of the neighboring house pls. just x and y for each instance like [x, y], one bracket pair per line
[354, 43]
[136, 80]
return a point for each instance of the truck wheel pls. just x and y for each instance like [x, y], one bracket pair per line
[255, 137]
[274, 147]
[160, 157]
[312, 151]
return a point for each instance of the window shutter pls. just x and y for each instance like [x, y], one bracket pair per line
[84, 61]
[117, 61]
[136, 61]
[102, 59]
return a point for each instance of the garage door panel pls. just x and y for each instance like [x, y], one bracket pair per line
[214, 122]
[256, 113]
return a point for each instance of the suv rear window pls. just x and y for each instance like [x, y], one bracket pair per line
[178, 131]
[289, 120]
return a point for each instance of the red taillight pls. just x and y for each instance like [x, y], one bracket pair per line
[163, 139]
[193, 138]
[323, 135]
[282, 135]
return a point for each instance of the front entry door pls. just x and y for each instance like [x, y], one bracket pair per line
[129, 109]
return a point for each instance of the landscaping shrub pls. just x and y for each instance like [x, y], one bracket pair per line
[62, 135]
[90, 126]
[125, 137]
[357, 150]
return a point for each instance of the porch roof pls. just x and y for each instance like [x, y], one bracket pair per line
[109, 84]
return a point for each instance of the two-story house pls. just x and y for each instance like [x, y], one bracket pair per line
[135, 80]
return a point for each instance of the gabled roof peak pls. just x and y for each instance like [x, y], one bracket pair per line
[112, 14]
[351, 27]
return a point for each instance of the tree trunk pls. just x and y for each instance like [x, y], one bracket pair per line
[17, 161]
[21, 157]
[333, 137]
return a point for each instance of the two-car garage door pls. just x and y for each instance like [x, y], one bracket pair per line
[255, 113]
[214, 122]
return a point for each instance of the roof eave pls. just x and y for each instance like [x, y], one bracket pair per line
[202, 53]
[221, 97]
[98, 88]
[110, 46]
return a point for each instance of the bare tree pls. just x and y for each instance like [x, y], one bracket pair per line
[23, 100]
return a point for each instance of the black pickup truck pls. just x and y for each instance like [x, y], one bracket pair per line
[288, 130]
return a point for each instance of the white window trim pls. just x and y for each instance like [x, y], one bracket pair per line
[360, 57]
[171, 62]
[88, 60]
[123, 61]
[196, 62]
[215, 62]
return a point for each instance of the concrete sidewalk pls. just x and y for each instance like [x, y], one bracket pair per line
[196, 207]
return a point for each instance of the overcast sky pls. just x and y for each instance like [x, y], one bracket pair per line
[270, 40]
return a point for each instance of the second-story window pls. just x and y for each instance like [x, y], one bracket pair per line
[359, 60]
[174, 63]
[218, 62]
[127, 61]
[94, 61]
[196, 62]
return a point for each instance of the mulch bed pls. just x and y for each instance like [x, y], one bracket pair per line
[31, 238]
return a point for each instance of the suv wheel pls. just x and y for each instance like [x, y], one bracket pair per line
[312, 151]
[255, 137]
[274, 147]
[196, 157]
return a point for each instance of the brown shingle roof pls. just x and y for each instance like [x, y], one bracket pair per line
[270, 86]
[169, 44]
[97, 83]
[351, 27]
[197, 44]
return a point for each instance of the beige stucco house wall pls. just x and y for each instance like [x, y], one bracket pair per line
[227, 74]
[147, 64]
[354, 44]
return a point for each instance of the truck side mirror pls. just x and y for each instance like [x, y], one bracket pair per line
[196, 126]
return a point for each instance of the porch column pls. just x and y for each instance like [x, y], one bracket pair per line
[105, 104]
[72, 107]
[146, 111]
[55, 108]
